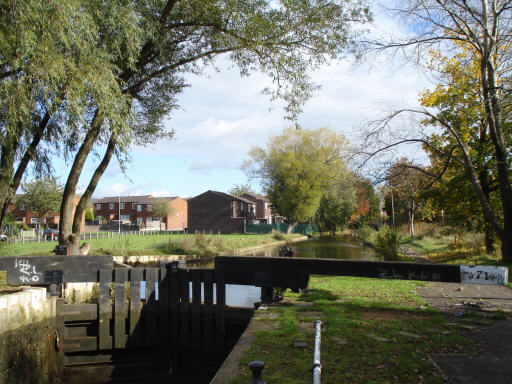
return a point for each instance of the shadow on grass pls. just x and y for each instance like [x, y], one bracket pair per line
[318, 294]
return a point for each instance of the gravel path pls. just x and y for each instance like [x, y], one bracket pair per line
[492, 341]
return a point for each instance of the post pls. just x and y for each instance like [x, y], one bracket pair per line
[256, 367]
[317, 365]
[119, 214]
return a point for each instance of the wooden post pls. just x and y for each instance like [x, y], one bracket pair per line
[208, 309]
[121, 276]
[220, 309]
[174, 332]
[135, 307]
[150, 312]
[105, 309]
[195, 310]
[184, 307]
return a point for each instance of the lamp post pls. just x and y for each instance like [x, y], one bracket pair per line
[119, 216]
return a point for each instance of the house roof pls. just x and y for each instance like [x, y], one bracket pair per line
[258, 197]
[228, 196]
[145, 199]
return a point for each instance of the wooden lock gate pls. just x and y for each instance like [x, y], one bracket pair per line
[143, 323]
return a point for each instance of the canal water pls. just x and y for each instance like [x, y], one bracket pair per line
[316, 247]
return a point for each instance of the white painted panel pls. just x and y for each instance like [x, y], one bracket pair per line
[483, 274]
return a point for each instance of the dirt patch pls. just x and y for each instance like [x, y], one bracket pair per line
[389, 315]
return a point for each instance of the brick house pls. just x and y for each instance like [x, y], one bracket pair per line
[263, 212]
[216, 212]
[22, 214]
[138, 210]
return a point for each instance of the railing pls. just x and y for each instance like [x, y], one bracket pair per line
[93, 235]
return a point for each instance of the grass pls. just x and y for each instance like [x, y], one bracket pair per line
[447, 249]
[151, 245]
[355, 311]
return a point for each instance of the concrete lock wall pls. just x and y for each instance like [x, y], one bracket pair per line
[27, 338]
[79, 292]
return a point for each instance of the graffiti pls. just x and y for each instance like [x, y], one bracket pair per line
[483, 275]
[27, 272]
[410, 274]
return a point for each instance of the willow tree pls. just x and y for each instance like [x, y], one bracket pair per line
[297, 169]
[283, 39]
[53, 68]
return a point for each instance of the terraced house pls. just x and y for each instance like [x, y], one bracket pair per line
[139, 210]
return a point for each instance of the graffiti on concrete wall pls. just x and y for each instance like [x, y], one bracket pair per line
[483, 274]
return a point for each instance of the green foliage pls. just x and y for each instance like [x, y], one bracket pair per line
[278, 236]
[161, 207]
[89, 214]
[43, 196]
[297, 168]
[386, 244]
[365, 234]
[335, 209]
[240, 189]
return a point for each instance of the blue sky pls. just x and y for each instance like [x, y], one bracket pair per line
[223, 115]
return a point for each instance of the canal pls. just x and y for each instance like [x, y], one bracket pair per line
[316, 247]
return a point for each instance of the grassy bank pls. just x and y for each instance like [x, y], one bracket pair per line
[376, 331]
[450, 249]
[153, 245]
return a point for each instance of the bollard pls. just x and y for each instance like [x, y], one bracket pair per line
[317, 365]
[256, 367]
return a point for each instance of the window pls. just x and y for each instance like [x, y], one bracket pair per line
[149, 219]
[22, 219]
[125, 217]
[98, 207]
[134, 206]
[139, 221]
[150, 207]
[139, 207]
[98, 217]
[121, 206]
[111, 206]
[34, 220]
[22, 207]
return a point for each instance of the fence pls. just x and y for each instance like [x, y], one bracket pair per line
[302, 228]
[95, 235]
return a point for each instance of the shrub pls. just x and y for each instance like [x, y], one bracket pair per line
[386, 244]
[364, 234]
[278, 236]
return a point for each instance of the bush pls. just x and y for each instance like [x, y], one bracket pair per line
[386, 244]
[364, 234]
[278, 236]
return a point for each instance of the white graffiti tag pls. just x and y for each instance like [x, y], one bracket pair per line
[28, 272]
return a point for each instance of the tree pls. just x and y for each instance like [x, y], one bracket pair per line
[478, 31]
[89, 215]
[42, 196]
[281, 39]
[240, 189]
[297, 169]
[337, 206]
[368, 203]
[160, 207]
[53, 67]
[406, 181]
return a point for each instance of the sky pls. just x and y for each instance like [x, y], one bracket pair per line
[223, 115]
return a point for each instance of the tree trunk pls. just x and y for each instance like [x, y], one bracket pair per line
[290, 227]
[84, 200]
[66, 236]
[27, 157]
[411, 218]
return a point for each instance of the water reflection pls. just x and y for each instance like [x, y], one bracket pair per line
[317, 247]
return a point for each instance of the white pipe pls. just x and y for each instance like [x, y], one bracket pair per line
[317, 365]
